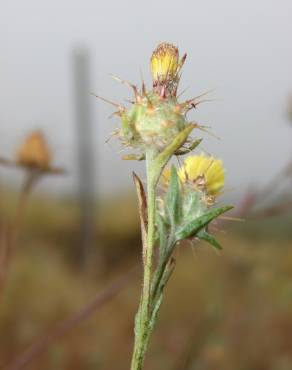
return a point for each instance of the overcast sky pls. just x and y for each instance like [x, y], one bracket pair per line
[241, 48]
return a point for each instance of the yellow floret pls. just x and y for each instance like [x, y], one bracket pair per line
[208, 168]
[164, 62]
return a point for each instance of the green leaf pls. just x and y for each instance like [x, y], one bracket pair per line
[162, 234]
[134, 157]
[161, 283]
[187, 150]
[203, 235]
[177, 142]
[153, 317]
[192, 205]
[142, 203]
[125, 125]
[173, 203]
[192, 228]
[169, 268]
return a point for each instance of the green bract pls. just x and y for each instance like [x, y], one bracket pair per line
[152, 121]
[183, 212]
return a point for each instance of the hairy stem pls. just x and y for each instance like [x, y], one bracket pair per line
[142, 327]
[146, 316]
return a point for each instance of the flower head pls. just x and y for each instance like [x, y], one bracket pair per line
[34, 152]
[205, 173]
[165, 67]
[164, 62]
[155, 118]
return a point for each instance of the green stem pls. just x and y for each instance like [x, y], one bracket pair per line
[142, 327]
[155, 163]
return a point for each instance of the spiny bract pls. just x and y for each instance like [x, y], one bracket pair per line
[156, 116]
[154, 120]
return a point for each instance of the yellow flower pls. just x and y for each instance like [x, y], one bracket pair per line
[164, 62]
[165, 176]
[204, 172]
[34, 152]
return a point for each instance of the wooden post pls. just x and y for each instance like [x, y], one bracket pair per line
[85, 153]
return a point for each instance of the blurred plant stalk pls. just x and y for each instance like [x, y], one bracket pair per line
[34, 157]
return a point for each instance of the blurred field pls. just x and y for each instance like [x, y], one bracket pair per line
[221, 311]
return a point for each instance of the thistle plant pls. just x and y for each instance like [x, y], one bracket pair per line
[178, 204]
[35, 158]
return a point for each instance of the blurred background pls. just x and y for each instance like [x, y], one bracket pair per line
[68, 291]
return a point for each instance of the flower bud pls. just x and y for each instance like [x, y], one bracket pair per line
[34, 152]
[152, 122]
[156, 116]
[164, 63]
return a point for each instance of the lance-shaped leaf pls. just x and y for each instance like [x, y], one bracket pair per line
[192, 205]
[173, 199]
[125, 125]
[162, 234]
[169, 268]
[177, 142]
[190, 148]
[158, 291]
[192, 228]
[203, 235]
[134, 157]
[142, 202]
[160, 160]
[153, 318]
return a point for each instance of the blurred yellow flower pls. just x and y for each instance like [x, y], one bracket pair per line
[165, 176]
[34, 152]
[206, 172]
[164, 62]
